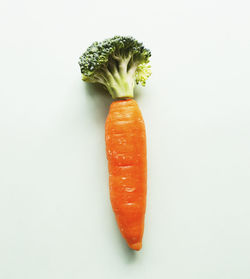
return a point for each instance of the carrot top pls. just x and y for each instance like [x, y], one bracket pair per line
[117, 63]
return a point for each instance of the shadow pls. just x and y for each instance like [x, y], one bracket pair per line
[138, 92]
[129, 254]
[99, 99]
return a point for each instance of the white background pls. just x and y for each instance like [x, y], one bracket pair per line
[56, 221]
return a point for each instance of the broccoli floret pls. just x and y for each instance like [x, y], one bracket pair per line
[117, 63]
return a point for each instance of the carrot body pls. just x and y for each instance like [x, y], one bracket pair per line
[126, 153]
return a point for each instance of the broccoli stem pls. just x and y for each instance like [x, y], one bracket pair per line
[121, 88]
[118, 79]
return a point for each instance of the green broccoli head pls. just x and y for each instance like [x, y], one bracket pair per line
[117, 63]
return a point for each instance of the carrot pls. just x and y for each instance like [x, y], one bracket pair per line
[127, 163]
[118, 64]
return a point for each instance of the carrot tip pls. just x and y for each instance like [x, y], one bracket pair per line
[136, 246]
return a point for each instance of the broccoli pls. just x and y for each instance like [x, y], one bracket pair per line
[117, 63]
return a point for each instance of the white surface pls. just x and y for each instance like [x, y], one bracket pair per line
[55, 216]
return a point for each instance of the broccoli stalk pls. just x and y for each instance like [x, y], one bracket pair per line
[117, 63]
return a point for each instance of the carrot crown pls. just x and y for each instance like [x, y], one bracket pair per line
[117, 63]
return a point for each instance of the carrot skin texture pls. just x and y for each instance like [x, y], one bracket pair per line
[125, 138]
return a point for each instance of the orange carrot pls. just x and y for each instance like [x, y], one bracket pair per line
[126, 154]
